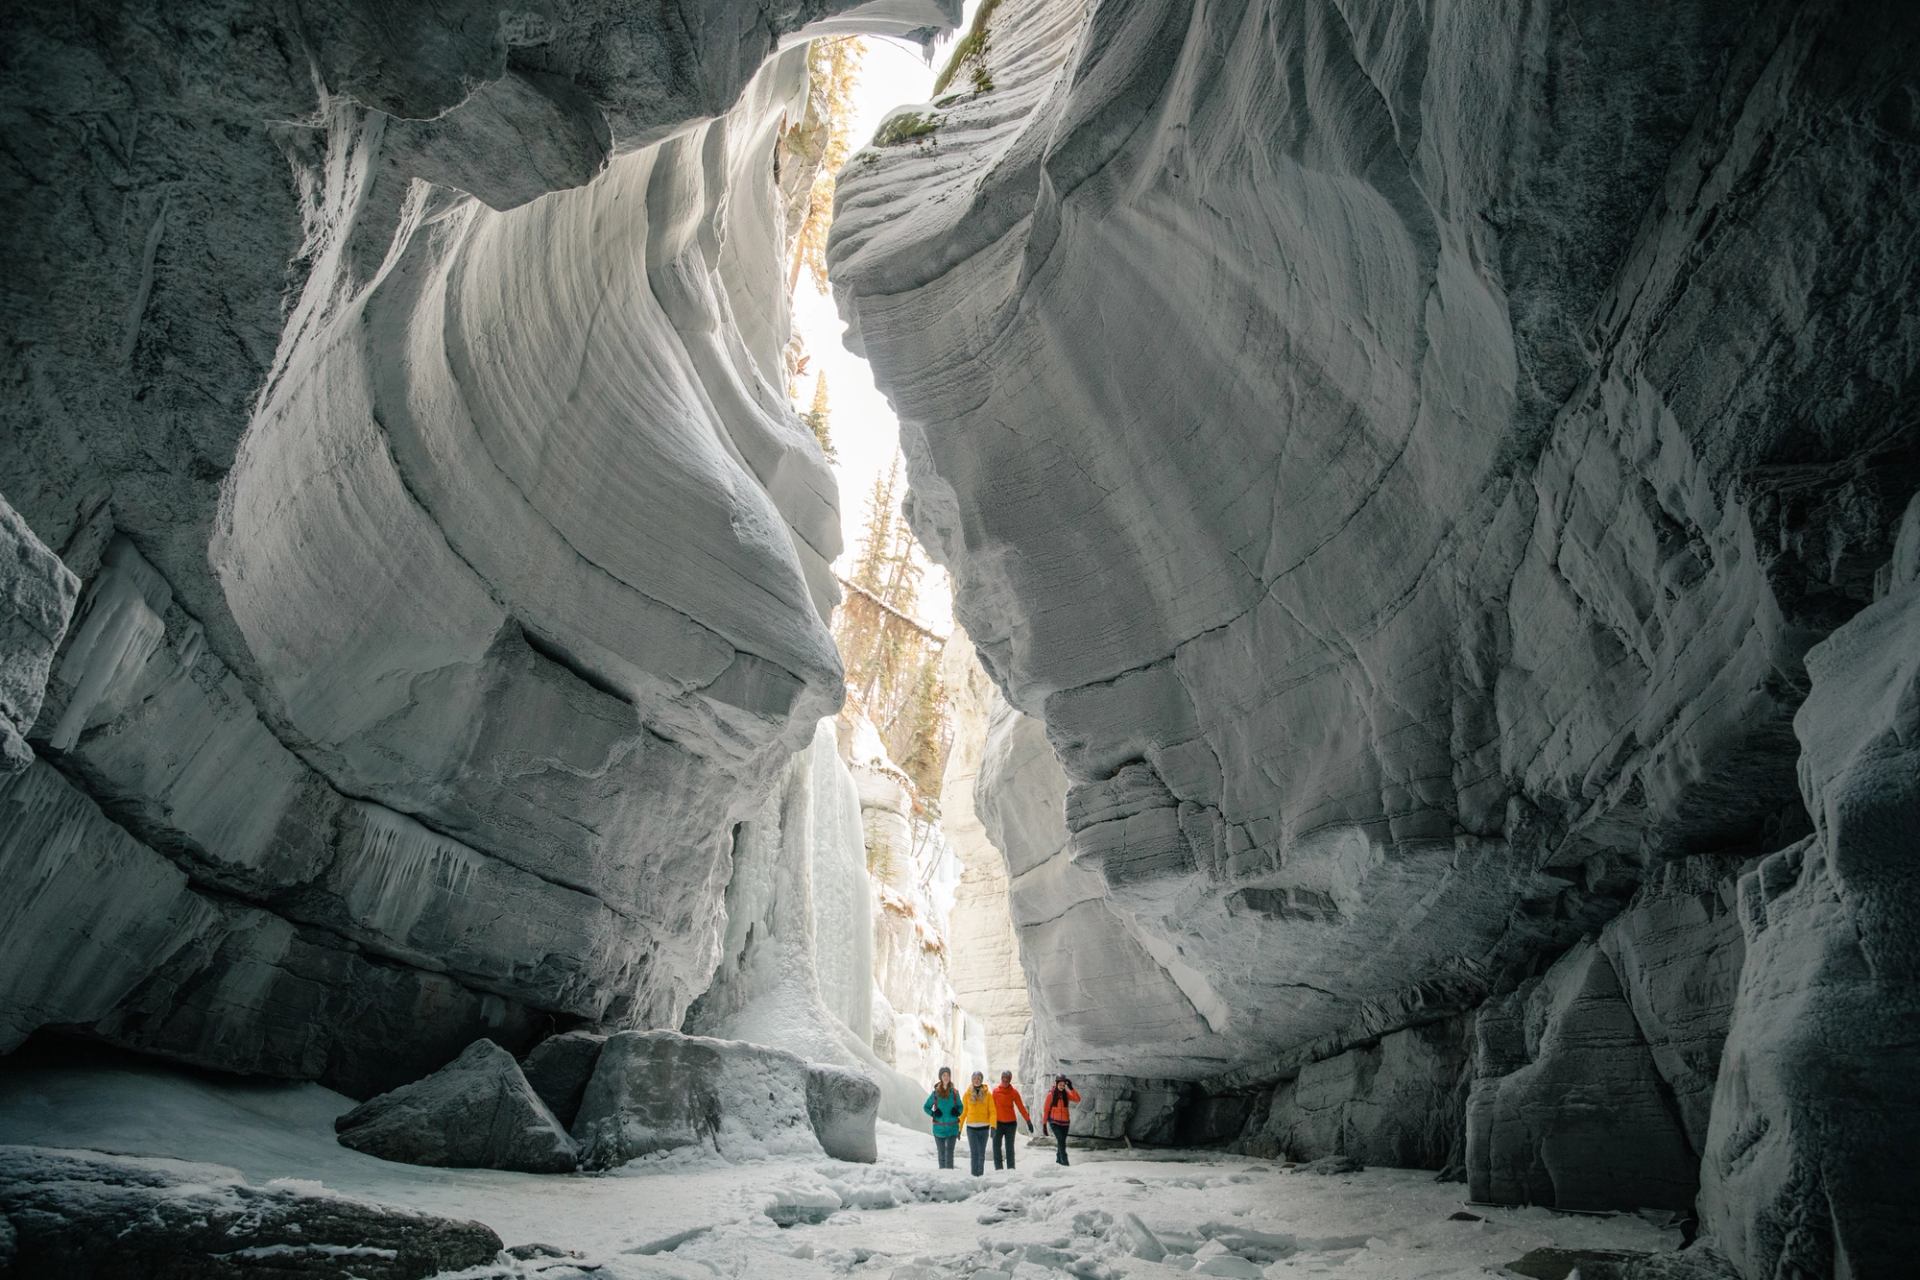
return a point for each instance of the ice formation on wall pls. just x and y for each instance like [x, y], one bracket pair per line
[776, 984]
[988, 980]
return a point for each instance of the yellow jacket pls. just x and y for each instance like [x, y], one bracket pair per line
[976, 1106]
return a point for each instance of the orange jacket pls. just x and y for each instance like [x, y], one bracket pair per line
[1006, 1099]
[1057, 1112]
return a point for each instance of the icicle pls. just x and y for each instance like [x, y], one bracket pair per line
[402, 866]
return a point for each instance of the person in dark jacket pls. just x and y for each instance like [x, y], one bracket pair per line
[943, 1104]
[1059, 1115]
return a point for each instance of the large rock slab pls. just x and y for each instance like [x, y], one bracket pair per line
[81, 1215]
[477, 1112]
[1438, 434]
[660, 1090]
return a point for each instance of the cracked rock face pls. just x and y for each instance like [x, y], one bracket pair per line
[402, 396]
[1403, 457]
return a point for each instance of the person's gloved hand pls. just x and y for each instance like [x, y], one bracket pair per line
[1029, 1127]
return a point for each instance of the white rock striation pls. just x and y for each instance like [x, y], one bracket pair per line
[406, 390]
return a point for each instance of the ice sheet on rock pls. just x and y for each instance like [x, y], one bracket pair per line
[768, 988]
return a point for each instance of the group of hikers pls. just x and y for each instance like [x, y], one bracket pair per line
[985, 1114]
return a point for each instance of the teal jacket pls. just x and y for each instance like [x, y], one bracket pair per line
[945, 1112]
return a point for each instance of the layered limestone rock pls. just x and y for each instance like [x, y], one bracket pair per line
[407, 393]
[1399, 1102]
[985, 963]
[1403, 458]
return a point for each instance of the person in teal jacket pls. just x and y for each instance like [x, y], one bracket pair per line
[943, 1104]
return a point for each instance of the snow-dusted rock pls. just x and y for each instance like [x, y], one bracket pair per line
[81, 1215]
[843, 1105]
[477, 1112]
[779, 942]
[1378, 443]
[659, 1090]
[37, 592]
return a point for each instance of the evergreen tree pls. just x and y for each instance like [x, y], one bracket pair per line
[819, 419]
[833, 73]
[877, 545]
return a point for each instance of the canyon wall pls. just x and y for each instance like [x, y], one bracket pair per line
[1403, 456]
[401, 393]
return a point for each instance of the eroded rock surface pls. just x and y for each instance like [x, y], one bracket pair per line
[477, 1112]
[37, 592]
[1400, 459]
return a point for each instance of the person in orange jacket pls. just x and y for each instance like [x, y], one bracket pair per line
[976, 1113]
[1006, 1101]
[1058, 1115]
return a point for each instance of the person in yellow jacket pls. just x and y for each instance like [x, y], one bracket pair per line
[978, 1113]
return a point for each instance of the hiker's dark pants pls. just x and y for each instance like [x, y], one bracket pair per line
[1003, 1136]
[943, 1149]
[977, 1147]
[1059, 1139]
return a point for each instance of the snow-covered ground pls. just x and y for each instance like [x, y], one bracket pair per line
[696, 1215]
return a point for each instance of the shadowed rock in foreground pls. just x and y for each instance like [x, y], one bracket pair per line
[84, 1216]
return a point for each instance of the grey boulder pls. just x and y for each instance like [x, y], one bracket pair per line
[842, 1106]
[660, 1090]
[478, 1112]
[559, 1067]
